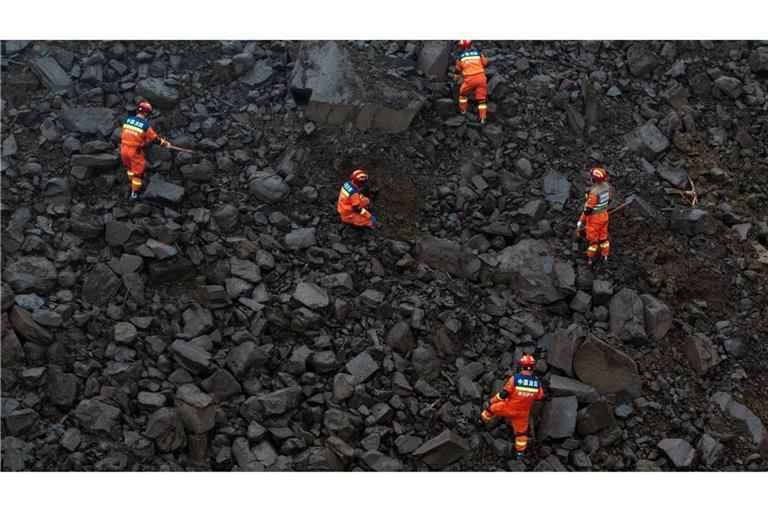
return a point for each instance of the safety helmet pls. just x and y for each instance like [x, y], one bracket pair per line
[527, 361]
[464, 44]
[358, 176]
[144, 107]
[598, 174]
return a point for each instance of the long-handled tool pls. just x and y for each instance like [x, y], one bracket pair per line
[181, 150]
[610, 212]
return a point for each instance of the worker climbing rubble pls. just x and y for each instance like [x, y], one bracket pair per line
[137, 133]
[471, 65]
[514, 402]
[594, 216]
[352, 204]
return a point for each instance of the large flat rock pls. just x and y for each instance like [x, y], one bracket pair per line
[533, 272]
[340, 85]
[89, 120]
[51, 74]
[448, 256]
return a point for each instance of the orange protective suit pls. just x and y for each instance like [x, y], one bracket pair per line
[471, 64]
[595, 217]
[351, 206]
[137, 132]
[514, 402]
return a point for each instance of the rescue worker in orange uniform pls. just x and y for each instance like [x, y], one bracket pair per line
[352, 204]
[594, 217]
[137, 132]
[514, 402]
[471, 64]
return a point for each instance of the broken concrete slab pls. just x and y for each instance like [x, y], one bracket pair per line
[336, 83]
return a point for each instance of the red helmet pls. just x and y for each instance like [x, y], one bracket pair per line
[598, 174]
[358, 176]
[145, 107]
[464, 44]
[527, 361]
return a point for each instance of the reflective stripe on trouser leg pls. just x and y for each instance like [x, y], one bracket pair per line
[605, 248]
[463, 102]
[591, 250]
[135, 184]
[521, 442]
[483, 110]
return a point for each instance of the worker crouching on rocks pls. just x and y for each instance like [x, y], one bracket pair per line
[352, 204]
[514, 402]
[137, 132]
[594, 216]
[471, 64]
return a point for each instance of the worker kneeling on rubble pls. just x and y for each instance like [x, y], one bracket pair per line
[353, 205]
[514, 402]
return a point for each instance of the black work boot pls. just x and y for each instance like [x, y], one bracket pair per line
[520, 455]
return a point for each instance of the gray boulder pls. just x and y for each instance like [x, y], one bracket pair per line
[609, 370]
[96, 416]
[693, 221]
[442, 450]
[558, 419]
[166, 428]
[311, 295]
[641, 59]
[31, 274]
[658, 317]
[627, 317]
[701, 353]
[531, 270]
[647, 141]
[101, 285]
[89, 120]
[339, 87]
[556, 188]
[745, 417]
[679, 451]
[159, 190]
[563, 386]
[268, 187]
[433, 58]
[596, 416]
[157, 92]
[196, 409]
[301, 238]
[448, 256]
[51, 74]
[280, 401]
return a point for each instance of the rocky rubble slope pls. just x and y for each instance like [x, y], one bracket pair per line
[228, 321]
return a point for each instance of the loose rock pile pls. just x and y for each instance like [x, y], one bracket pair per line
[229, 322]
